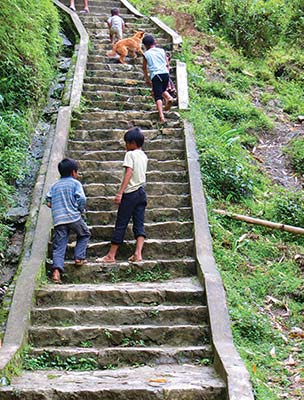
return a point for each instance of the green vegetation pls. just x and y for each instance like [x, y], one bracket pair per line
[244, 59]
[47, 360]
[29, 42]
[132, 274]
[295, 151]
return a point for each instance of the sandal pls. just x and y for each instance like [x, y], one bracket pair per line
[105, 260]
[84, 11]
[72, 8]
[134, 259]
[78, 263]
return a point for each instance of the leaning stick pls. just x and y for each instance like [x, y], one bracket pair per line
[257, 221]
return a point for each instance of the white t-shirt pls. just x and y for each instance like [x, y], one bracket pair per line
[116, 23]
[138, 161]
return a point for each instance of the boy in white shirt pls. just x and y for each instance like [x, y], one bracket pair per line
[116, 25]
[131, 197]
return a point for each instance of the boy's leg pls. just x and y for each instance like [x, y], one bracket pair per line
[159, 85]
[83, 235]
[60, 241]
[72, 5]
[124, 214]
[139, 224]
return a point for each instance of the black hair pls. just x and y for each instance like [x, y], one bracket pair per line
[134, 135]
[67, 166]
[148, 40]
[114, 11]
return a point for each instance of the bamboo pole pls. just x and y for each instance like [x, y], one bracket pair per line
[263, 222]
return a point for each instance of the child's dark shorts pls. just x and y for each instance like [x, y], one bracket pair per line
[159, 85]
[133, 206]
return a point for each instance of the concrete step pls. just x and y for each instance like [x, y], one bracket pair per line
[119, 81]
[115, 357]
[150, 122]
[155, 188]
[118, 105]
[144, 271]
[99, 203]
[185, 290]
[87, 177]
[122, 74]
[115, 335]
[167, 382]
[151, 215]
[147, 315]
[153, 249]
[117, 145]
[109, 155]
[96, 66]
[118, 134]
[169, 229]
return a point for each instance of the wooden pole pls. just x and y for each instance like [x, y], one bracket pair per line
[263, 222]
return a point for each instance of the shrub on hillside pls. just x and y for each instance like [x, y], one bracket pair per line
[287, 208]
[253, 26]
[295, 151]
[28, 42]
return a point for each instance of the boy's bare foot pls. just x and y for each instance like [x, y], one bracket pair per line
[168, 104]
[134, 258]
[56, 276]
[106, 260]
[78, 263]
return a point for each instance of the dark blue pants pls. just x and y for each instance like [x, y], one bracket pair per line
[61, 238]
[159, 85]
[132, 205]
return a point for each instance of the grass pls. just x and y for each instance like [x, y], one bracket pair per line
[229, 96]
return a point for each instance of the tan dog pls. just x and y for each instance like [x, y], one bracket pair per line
[130, 45]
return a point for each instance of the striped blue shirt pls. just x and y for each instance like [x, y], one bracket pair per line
[67, 200]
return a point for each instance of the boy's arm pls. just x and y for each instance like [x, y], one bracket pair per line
[80, 197]
[48, 200]
[147, 79]
[124, 184]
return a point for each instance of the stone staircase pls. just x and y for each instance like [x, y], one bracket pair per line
[124, 331]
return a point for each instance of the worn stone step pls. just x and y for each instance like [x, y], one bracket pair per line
[92, 98]
[154, 248]
[96, 66]
[164, 382]
[99, 203]
[111, 336]
[114, 357]
[87, 177]
[122, 74]
[169, 230]
[123, 115]
[144, 271]
[117, 86]
[151, 215]
[118, 134]
[148, 315]
[109, 155]
[109, 3]
[150, 122]
[115, 82]
[118, 105]
[155, 188]
[116, 145]
[185, 290]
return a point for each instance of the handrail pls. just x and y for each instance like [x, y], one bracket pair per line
[35, 248]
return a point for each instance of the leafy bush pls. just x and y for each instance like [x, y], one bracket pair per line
[287, 208]
[29, 43]
[295, 150]
[251, 25]
[14, 140]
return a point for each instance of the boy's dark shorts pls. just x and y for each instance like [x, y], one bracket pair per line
[159, 85]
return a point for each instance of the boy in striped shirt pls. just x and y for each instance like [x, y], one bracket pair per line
[67, 200]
